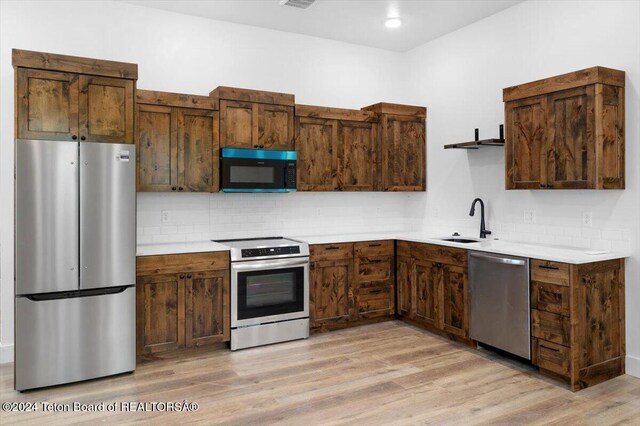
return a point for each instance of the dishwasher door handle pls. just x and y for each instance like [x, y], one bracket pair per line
[504, 260]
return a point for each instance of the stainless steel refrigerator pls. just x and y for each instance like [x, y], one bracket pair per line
[75, 261]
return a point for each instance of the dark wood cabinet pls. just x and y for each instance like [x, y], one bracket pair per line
[177, 143]
[566, 132]
[337, 149]
[577, 320]
[255, 119]
[68, 98]
[402, 146]
[351, 284]
[433, 287]
[207, 307]
[182, 301]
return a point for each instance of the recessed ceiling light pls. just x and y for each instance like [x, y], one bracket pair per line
[393, 22]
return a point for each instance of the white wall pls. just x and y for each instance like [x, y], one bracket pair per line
[460, 78]
[185, 54]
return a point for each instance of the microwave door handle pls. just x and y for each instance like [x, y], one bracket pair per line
[266, 264]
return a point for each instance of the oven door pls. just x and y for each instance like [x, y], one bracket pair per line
[265, 291]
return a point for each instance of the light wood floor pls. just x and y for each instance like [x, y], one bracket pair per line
[388, 373]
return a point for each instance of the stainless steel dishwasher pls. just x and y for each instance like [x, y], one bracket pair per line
[499, 309]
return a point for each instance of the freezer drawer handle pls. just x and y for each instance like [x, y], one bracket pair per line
[77, 293]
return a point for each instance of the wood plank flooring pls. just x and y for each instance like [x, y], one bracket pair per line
[386, 373]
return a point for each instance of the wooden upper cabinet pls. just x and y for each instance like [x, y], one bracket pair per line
[47, 105]
[402, 140]
[105, 112]
[178, 146]
[337, 149]
[157, 148]
[63, 97]
[566, 132]
[255, 119]
[197, 150]
[526, 141]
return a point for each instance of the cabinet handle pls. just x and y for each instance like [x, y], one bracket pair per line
[375, 261]
[555, 268]
[82, 138]
[437, 265]
[375, 291]
[261, 146]
[551, 349]
[182, 277]
[189, 276]
[332, 248]
[74, 137]
[173, 188]
[256, 146]
[180, 189]
[375, 245]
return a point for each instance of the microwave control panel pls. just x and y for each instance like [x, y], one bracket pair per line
[270, 251]
[291, 175]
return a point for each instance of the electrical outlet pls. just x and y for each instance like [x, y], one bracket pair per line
[165, 216]
[318, 211]
[529, 216]
[587, 219]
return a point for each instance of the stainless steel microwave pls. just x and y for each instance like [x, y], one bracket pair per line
[257, 170]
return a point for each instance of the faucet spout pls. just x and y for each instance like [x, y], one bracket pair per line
[483, 231]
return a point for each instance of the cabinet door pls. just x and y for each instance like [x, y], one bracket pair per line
[160, 313]
[47, 105]
[571, 144]
[330, 295]
[238, 125]
[157, 148]
[357, 156]
[455, 300]
[105, 110]
[316, 142]
[427, 292]
[197, 151]
[403, 153]
[405, 282]
[275, 127]
[207, 308]
[526, 135]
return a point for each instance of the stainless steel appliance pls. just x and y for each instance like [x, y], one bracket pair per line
[269, 291]
[257, 170]
[75, 246]
[499, 309]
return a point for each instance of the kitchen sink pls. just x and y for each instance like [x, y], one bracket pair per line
[459, 240]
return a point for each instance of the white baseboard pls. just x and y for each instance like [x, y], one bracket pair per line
[632, 366]
[6, 353]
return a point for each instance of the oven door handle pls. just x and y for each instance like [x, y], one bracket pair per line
[267, 264]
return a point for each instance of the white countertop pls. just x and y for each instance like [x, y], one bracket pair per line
[178, 248]
[513, 248]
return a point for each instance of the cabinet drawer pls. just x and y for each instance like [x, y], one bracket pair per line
[375, 269]
[550, 272]
[440, 254]
[374, 248]
[331, 251]
[549, 326]
[375, 298]
[177, 263]
[552, 357]
[550, 297]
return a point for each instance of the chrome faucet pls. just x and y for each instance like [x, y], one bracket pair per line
[483, 231]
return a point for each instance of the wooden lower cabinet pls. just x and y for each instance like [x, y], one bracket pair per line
[182, 301]
[577, 320]
[351, 284]
[433, 288]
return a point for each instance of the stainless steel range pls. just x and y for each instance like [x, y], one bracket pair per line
[269, 291]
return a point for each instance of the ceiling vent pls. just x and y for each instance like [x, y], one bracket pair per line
[298, 4]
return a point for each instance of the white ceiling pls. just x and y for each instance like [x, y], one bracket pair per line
[353, 21]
